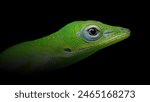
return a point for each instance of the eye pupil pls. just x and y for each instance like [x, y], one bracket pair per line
[92, 31]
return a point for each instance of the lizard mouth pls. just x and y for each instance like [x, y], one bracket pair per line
[118, 38]
[124, 33]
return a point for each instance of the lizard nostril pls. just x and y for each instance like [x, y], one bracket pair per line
[124, 30]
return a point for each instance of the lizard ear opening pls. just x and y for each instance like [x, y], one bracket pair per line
[67, 50]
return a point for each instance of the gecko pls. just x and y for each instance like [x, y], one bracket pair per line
[70, 44]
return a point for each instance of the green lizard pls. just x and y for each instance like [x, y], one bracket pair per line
[72, 43]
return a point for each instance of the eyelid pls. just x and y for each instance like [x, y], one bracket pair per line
[90, 26]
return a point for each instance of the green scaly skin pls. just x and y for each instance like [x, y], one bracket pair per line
[69, 45]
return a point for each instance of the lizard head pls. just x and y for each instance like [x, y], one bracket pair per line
[83, 38]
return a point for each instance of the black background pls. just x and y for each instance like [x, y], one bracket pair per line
[123, 63]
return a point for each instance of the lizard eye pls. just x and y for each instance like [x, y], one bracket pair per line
[91, 33]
